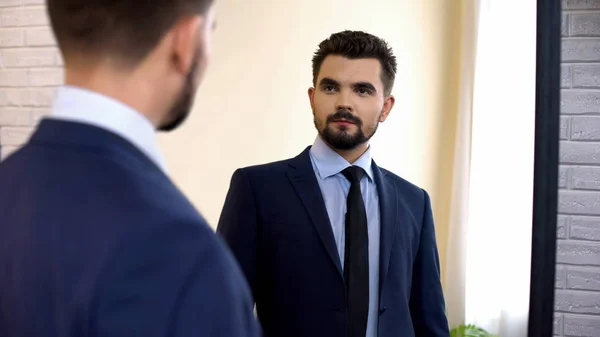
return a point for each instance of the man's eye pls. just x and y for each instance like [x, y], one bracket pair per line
[329, 88]
[363, 91]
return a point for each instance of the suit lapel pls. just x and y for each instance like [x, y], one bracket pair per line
[302, 177]
[388, 208]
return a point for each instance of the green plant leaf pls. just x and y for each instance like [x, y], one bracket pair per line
[469, 330]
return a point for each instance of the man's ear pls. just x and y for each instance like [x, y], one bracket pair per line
[311, 98]
[388, 104]
[186, 36]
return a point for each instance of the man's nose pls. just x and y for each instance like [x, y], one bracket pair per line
[343, 102]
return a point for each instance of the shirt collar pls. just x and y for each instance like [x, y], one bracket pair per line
[329, 163]
[84, 106]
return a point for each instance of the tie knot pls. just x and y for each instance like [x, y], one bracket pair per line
[353, 173]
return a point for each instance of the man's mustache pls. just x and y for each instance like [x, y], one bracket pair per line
[344, 115]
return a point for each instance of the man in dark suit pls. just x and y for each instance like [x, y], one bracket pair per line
[331, 244]
[95, 240]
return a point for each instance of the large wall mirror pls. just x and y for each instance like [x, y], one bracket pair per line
[475, 124]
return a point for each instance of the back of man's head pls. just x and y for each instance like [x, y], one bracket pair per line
[126, 30]
[150, 55]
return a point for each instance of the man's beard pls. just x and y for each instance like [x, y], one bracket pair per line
[341, 139]
[183, 106]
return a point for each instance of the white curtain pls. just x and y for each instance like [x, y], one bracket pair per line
[490, 242]
[455, 271]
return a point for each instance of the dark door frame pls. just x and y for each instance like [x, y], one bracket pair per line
[545, 181]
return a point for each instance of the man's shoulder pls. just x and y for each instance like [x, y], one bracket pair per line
[94, 187]
[400, 182]
[270, 169]
[405, 188]
[280, 165]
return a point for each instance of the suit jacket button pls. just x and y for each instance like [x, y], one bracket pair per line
[382, 310]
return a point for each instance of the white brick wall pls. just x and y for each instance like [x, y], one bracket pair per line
[30, 70]
[577, 304]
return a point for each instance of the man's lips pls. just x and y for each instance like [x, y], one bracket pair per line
[343, 122]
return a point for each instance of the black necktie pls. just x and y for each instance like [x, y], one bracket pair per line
[356, 258]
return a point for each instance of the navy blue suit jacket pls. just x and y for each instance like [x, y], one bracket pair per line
[275, 221]
[96, 241]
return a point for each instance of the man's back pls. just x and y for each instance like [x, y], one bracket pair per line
[96, 241]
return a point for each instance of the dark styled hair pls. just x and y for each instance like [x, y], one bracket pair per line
[358, 45]
[125, 29]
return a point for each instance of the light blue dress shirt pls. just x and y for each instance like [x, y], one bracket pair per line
[84, 106]
[328, 166]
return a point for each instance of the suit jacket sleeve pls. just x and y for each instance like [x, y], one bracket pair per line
[427, 303]
[174, 280]
[238, 226]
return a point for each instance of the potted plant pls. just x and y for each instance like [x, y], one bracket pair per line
[470, 330]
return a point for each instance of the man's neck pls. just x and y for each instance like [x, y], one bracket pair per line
[120, 89]
[351, 155]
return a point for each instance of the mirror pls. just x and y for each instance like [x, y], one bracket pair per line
[472, 93]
